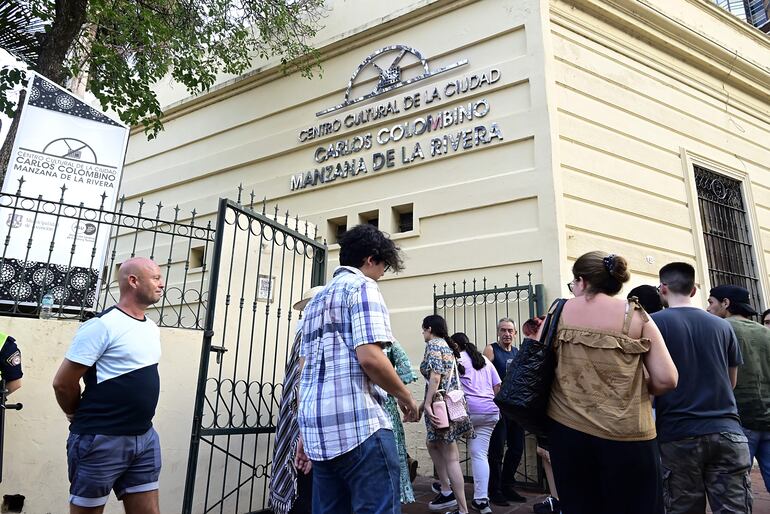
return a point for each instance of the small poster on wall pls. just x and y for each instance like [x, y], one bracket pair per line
[61, 142]
[266, 286]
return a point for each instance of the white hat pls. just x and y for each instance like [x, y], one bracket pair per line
[306, 297]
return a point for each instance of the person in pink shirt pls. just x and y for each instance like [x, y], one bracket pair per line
[480, 382]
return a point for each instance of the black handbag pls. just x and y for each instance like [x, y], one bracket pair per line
[526, 387]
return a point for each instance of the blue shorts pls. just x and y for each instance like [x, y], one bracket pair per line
[100, 463]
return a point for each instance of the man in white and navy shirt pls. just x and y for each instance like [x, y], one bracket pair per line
[112, 445]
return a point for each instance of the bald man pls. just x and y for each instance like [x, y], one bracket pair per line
[112, 445]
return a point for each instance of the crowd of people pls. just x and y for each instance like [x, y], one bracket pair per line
[656, 406]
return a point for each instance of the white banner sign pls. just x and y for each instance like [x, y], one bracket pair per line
[61, 143]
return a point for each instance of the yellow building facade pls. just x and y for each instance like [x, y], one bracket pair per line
[502, 137]
[521, 134]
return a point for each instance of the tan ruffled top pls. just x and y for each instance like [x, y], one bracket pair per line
[599, 387]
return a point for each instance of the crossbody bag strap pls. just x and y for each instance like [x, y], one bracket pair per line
[551, 323]
[452, 372]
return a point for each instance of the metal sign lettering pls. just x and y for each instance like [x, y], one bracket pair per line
[390, 77]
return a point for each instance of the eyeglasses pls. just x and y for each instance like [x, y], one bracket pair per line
[571, 284]
[659, 286]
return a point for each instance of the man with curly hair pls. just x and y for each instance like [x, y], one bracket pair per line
[346, 434]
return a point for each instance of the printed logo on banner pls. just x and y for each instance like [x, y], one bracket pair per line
[14, 220]
[83, 228]
[70, 148]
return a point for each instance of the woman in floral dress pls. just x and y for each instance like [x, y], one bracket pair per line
[436, 367]
[400, 361]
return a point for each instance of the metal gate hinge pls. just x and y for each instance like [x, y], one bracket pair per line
[208, 333]
[219, 350]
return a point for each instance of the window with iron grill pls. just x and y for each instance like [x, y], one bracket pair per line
[726, 233]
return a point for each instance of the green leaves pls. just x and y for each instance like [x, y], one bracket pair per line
[19, 28]
[126, 46]
[10, 78]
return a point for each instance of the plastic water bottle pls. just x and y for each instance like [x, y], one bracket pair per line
[46, 306]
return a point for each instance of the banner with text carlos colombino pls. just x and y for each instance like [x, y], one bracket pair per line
[63, 149]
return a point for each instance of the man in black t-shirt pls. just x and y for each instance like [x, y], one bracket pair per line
[504, 463]
[702, 447]
[10, 363]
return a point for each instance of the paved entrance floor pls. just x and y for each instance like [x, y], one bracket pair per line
[761, 496]
[423, 495]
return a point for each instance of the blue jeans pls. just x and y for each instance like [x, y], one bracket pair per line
[759, 447]
[365, 480]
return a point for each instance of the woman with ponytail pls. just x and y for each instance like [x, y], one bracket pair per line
[480, 382]
[437, 367]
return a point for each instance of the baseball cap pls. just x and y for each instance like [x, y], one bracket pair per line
[738, 296]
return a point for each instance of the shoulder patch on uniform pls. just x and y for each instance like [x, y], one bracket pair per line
[14, 359]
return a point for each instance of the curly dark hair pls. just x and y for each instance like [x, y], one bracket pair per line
[366, 240]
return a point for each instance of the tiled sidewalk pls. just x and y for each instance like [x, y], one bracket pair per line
[423, 494]
[761, 496]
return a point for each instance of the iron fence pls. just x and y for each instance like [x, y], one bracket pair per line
[474, 307]
[42, 238]
[261, 265]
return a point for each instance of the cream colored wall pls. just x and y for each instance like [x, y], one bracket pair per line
[35, 461]
[644, 89]
[486, 212]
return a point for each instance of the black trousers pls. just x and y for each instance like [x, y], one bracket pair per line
[503, 462]
[303, 504]
[599, 476]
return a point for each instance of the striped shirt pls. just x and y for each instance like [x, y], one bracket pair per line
[339, 406]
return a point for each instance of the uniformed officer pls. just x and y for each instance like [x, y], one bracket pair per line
[10, 363]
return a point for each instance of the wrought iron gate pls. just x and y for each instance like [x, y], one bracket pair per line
[260, 267]
[474, 307]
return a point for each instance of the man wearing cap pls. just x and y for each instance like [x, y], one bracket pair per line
[290, 491]
[752, 392]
